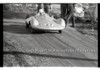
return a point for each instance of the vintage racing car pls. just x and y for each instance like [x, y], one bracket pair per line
[43, 21]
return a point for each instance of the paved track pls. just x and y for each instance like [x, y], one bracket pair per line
[22, 48]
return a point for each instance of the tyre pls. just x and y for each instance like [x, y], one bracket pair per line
[60, 31]
[27, 25]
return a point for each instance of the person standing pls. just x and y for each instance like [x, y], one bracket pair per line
[47, 8]
[67, 13]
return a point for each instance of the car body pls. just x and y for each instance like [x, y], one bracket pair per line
[45, 22]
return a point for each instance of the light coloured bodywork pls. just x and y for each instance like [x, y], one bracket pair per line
[45, 22]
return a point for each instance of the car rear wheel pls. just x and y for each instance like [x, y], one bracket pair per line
[60, 31]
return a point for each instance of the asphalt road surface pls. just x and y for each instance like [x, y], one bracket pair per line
[71, 48]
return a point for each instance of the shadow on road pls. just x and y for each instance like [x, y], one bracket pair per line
[19, 28]
[47, 56]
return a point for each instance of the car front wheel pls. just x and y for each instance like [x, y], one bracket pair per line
[27, 25]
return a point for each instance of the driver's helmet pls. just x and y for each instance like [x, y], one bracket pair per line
[41, 10]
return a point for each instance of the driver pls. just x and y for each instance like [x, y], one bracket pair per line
[40, 9]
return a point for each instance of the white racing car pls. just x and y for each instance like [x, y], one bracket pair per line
[43, 21]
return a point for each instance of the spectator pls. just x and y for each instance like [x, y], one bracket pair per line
[47, 8]
[67, 13]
